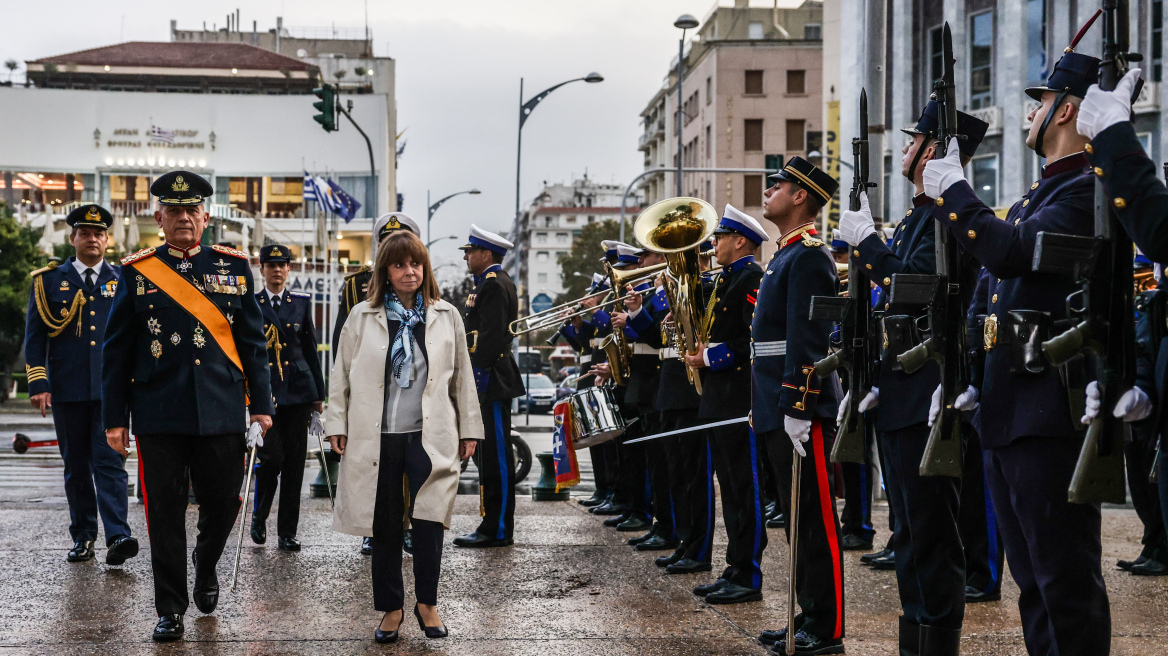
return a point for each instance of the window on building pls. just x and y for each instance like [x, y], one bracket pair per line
[814, 141]
[936, 56]
[561, 237]
[709, 90]
[752, 132]
[981, 59]
[797, 82]
[752, 191]
[572, 219]
[709, 197]
[541, 256]
[1157, 39]
[541, 237]
[1036, 62]
[985, 178]
[755, 30]
[753, 83]
[541, 277]
[709, 143]
[796, 139]
[812, 32]
[591, 218]
[547, 221]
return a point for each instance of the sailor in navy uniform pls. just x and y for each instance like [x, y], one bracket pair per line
[1031, 436]
[930, 563]
[357, 283]
[298, 387]
[64, 329]
[724, 363]
[792, 408]
[184, 359]
[490, 309]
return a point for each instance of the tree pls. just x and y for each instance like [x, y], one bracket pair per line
[11, 65]
[456, 293]
[18, 256]
[577, 267]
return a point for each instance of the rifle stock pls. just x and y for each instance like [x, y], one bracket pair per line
[942, 455]
[1099, 473]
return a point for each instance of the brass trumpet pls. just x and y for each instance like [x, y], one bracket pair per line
[557, 315]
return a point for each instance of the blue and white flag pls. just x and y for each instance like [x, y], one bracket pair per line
[324, 195]
[346, 205]
[161, 134]
[309, 188]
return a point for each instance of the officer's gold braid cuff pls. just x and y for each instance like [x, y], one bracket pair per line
[273, 335]
[33, 374]
[56, 327]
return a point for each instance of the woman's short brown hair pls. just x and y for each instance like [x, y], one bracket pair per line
[401, 246]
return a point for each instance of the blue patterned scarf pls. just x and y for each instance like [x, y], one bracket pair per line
[402, 353]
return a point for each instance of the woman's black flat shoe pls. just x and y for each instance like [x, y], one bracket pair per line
[386, 637]
[430, 631]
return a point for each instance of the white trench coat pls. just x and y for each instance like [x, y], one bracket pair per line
[450, 412]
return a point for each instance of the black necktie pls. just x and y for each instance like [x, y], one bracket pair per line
[89, 278]
[276, 302]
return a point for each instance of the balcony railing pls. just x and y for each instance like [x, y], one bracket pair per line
[991, 115]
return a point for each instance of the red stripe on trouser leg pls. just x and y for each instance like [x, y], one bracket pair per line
[142, 482]
[826, 508]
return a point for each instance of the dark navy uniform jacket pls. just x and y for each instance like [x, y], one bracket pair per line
[490, 309]
[726, 382]
[295, 368]
[786, 384]
[1019, 405]
[645, 365]
[352, 292]
[674, 391]
[1134, 186]
[162, 369]
[68, 365]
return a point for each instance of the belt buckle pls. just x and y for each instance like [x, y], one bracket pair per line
[990, 332]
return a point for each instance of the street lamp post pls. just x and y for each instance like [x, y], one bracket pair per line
[435, 241]
[432, 208]
[683, 22]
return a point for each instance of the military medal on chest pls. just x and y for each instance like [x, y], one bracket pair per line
[199, 339]
[185, 266]
[156, 349]
[175, 339]
[153, 326]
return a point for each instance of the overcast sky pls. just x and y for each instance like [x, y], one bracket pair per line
[458, 69]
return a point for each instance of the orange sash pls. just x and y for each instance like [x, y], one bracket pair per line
[194, 302]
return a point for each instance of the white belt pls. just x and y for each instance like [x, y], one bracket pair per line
[762, 349]
[643, 349]
[668, 354]
[595, 342]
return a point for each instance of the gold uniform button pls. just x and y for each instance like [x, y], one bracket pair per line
[93, 327]
[93, 343]
[1016, 221]
[151, 307]
[972, 234]
[1090, 149]
[91, 313]
[1025, 202]
[868, 267]
[888, 281]
[885, 306]
[285, 362]
[908, 213]
[798, 405]
[1098, 171]
[1034, 186]
[1120, 203]
[898, 242]
[197, 362]
[952, 216]
[994, 299]
[802, 388]
[856, 252]
[91, 298]
[940, 202]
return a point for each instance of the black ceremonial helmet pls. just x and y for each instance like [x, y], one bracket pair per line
[970, 127]
[1072, 75]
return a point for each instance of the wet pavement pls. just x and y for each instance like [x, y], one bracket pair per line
[567, 587]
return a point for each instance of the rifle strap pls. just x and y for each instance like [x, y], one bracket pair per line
[1058, 102]
[1073, 373]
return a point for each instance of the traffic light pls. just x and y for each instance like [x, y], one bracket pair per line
[327, 106]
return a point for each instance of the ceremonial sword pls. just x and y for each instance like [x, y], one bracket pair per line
[691, 429]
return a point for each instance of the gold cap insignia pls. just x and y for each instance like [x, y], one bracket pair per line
[275, 253]
[179, 185]
[92, 214]
[393, 224]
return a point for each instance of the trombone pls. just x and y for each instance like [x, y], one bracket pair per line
[557, 315]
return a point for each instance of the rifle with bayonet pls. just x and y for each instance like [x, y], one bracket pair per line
[1102, 309]
[942, 293]
[853, 316]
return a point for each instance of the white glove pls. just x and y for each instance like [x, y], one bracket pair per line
[871, 400]
[966, 400]
[1102, 109]
[799, 430]
[935, 405]
[316, 426]
[859, 225]
[940, 174]
[1133, 405]
[843, 407]
[255, 436]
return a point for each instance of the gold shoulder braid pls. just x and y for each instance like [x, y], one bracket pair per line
[273, 336]
[56, 327]
[708, 318]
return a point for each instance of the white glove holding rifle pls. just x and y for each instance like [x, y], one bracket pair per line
[1102, 109]
[966, 400]
[870, 400]
[940, 174]
[1133, 405]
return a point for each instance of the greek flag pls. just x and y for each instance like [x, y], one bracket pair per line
[324, 195]
[160, 134]
[310, 193]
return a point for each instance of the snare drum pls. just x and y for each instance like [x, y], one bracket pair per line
[595, 416]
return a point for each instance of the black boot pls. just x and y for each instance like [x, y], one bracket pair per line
[936, 641]
[910, 637]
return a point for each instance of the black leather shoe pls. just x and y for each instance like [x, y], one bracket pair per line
[768, 638]
[657, 543]
[909, 639]
[408, 541]
[1149, 568]
[867, 558]
[771, 509]
[855, 543]
[703, 590]
[632, 542]
[288, 544]
[807, 644]
[975, 596]
[386, 637]
[634, 525]
[688, 566]
[81, 552]
[732, 593]
[478, 540]
[120, 550]
[666, 561]
[168, 629]
[430, 631]
[606, 508]
[884, 562]
[206, 591]
[366, 546]
[778, 521]
[623, 516]
[595, 500]
[1126, 565]
[259, 532]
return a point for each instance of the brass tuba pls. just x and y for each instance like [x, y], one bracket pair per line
[677, 227]
[616, 346]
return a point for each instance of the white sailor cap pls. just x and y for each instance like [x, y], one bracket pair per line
[387, 223]
[599, 282]
[734, 220]
[480, 238]
[626, 254]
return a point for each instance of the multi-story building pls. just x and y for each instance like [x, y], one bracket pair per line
[553, 221]
[751, 98]
[1001, 47]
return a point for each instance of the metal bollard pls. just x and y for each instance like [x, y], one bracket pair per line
[545, 489]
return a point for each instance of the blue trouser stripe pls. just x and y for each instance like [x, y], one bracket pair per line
[756, 570]
[865, 498]
[704, 554]
[992, 536]
[501, 448]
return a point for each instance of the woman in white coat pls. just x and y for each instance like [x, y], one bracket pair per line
[403, 412]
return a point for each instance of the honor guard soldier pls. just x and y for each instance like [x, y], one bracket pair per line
[298, 387]
[356, 284]
[1031, 436]
[724, 364]
[930, 563]
[64, 330]
[791, 402]
[184, 360]
[490, 309]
